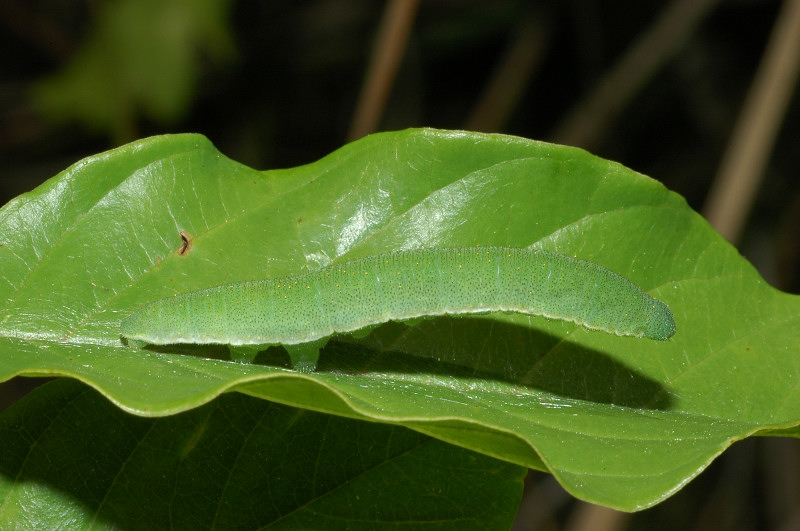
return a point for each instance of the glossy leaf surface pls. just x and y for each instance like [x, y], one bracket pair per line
[620, 421]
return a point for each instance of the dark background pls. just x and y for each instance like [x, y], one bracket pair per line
[279, 84]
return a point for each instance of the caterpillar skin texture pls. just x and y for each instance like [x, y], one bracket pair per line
[350, 296]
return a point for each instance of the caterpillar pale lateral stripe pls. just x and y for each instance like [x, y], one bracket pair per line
[307, 309]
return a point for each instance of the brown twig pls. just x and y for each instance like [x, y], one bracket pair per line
[513, 73]
[391, 43]
[742, 168]
[586, 516]
[587, 121]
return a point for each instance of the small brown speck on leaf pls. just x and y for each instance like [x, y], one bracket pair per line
[186, 244]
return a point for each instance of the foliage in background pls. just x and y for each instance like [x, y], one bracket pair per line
[140, 58]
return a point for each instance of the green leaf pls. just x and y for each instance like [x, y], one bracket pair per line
[236, 463]
[139, 57]
[619, 421]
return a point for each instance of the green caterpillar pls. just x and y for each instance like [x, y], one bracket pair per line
[303, 311]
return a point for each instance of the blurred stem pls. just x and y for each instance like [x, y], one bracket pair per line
[588, 120]
[742, 167]
[590, 517]
[508, 83]
[392, 40]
